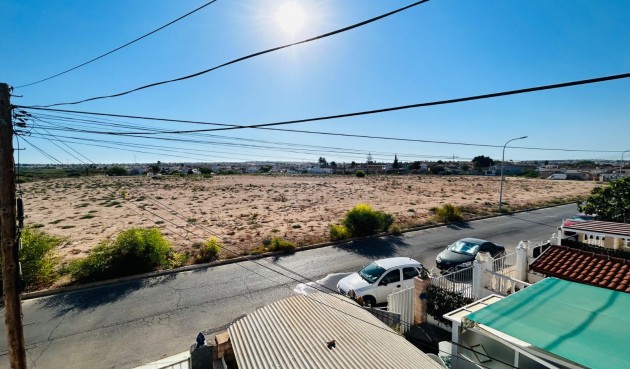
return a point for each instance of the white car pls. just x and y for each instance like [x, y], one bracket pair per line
[380, 278]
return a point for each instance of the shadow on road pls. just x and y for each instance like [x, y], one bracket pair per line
[458, 226]
[87, 299]
[377, 248]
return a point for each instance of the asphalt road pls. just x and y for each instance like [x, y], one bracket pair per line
[133, 323]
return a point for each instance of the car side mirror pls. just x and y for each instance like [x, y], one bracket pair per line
[382, 283]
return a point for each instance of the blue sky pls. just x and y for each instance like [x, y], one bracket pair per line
[439, 50]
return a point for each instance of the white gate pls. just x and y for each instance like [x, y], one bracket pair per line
[401, 302]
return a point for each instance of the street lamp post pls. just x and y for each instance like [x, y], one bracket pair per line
[621, 165]
[502, 163]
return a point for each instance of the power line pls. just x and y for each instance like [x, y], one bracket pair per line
[325, 35]
[419, 105]
[119, 47]
[265, 126]
[295, 148]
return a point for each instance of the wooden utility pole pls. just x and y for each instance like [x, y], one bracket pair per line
[8, 239]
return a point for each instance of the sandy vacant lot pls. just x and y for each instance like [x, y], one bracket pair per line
[243, 210]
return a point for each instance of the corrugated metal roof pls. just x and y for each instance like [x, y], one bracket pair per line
[294, 332]
[596, 226]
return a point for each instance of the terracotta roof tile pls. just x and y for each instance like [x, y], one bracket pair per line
[584, 267]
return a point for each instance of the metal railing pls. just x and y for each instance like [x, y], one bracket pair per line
[536, 249]
[459, 281]
[505, 265]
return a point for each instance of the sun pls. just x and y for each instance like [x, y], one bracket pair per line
[290, 17]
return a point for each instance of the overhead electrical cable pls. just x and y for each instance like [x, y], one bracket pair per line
[119, 47]
[413, 106]
[367, 112]
[319, 37]
[296, 148]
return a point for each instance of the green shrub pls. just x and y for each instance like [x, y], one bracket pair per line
[178, 259]
[338, 232]
[360, 173]
[117, 171]
[278, 244]
[209, 250]
[37, 257]
[362, 220]
[448, 213]
[395, 230]
[133, 251]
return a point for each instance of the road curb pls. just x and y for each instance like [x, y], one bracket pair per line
[110, 282]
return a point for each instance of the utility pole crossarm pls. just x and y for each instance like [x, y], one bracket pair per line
[8, 236]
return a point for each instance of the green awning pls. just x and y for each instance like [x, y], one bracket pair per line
[584, 324]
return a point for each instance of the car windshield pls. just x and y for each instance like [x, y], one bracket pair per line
[462, 247]
[371, 272]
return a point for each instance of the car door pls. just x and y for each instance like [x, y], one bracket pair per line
[388, 282]
[408, 273]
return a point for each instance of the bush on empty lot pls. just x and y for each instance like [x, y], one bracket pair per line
[448, 213]
[37, 258]
[133, 251]
[338, 232]
[362, 220]
[208, 251]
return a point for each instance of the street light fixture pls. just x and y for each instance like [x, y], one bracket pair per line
[621, 165]
[502, 163]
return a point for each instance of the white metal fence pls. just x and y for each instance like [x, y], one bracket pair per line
[535, 249]
[179, 361]
[459, 281]
[401, 302]
[505, 265]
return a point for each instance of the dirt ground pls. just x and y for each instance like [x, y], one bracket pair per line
[244, 209]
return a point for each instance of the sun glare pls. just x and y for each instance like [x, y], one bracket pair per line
[290, 17]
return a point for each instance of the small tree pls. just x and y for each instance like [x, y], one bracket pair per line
[436, 169]
[610, 203]
[396, 164]
[117, 171]
[482, 161]
[322, 162]
[415, 165]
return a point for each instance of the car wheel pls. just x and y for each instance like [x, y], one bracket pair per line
[369, 301]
